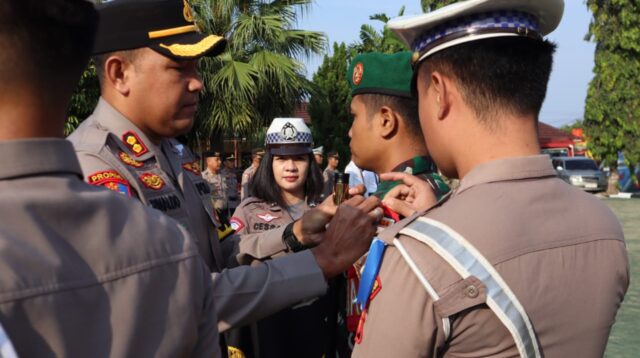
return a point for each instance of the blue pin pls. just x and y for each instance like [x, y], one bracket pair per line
[370, 271]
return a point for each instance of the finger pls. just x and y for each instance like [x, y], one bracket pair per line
[407, 179]
[399, 206]
[399, 191]
[328, 206]
[377, 214]
[315, 221]
[354, 201]
[357, 190]
[368, 205]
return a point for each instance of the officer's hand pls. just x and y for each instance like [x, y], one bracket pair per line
[348, 235]
[414, 195]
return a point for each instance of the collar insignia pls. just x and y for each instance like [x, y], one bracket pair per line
[134, 143]
[126, 159]
[267, 217]
[152, 181]
[193, 167]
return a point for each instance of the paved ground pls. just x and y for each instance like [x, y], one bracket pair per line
[625, 337]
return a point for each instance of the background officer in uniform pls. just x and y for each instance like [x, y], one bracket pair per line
[147, 66]
[84, 272]
[231, 177]
[318, 154]
[217, 183]
[287, 184]
[507, 265]
[385, 132]
[247, 175]
[333, 160]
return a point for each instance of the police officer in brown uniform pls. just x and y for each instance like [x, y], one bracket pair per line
[247, 175]
[229, 173]
[508, 265]
[147, 64]
[287, 183]
[217, 182]
[85, 272]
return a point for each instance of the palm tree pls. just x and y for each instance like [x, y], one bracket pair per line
[259, 76]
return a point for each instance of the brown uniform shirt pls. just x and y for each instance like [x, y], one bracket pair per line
[218, 186]
[247, 175]
[561, 251]
[87, 273]
[255, 216]
[167, 177]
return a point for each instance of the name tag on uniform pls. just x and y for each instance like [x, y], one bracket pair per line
[370, 272]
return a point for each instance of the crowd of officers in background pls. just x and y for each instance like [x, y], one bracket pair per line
[230, 185]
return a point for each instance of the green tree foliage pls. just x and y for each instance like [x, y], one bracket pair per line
[83, 100]
[259, 76]
[328, 108]
[612, 113]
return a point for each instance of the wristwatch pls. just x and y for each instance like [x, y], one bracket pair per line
[290, 239]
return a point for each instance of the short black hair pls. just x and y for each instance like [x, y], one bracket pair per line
[99, 60]
[507, 73]
[263, 184]
[406, 107]
[47, 42]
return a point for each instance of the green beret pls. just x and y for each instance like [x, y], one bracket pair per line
[379, 73]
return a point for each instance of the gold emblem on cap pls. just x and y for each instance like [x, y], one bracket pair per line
[186, 12]
[288, 132]
[358, 73]
[415, 57]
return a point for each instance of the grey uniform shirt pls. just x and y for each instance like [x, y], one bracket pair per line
[85, 272]
[560, 250]
[166, 177]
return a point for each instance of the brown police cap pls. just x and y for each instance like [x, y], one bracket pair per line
[165, 26]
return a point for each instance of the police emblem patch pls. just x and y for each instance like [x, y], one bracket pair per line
[111, 180]
[267, 217]
[126, 159]
[152, 181]
[288, 132]
[358, 73]
[193, 167]
[236, 224]
[134, 143]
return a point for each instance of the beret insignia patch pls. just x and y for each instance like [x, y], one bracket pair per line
[152, 181]
[358, 73]
[126, 159]
[134, 143]
[111, 180]
[193, 167]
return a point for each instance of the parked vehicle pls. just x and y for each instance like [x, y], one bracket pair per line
[580, 172]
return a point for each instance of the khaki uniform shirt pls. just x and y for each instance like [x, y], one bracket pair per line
[561, 251]
[218, 186]
[328, 175]
[87, 273]
[247, 175]
[255, 216]
[168, 178]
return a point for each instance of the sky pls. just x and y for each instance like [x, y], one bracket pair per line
[340, 20]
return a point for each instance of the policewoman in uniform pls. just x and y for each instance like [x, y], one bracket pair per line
[287, 183]
[146, 57]
[507, 265]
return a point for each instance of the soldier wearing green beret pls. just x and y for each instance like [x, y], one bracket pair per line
[385, 133]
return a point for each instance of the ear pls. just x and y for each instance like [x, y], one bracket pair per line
[440, 86]
[387, 122]
[117, 74]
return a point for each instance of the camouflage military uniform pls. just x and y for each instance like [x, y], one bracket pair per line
[421, 167]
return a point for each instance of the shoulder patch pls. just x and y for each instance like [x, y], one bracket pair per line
[134, 143]
[267, 217]
[126, 159]
[111, 180]
[193, 167]
[236, 224]
[152, 181]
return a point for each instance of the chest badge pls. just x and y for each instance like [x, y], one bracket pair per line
[134, 143]
[152, 181]
[267, 217]
[126, 159]
[193, 167]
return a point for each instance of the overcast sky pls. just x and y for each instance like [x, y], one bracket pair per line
[340, 20]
